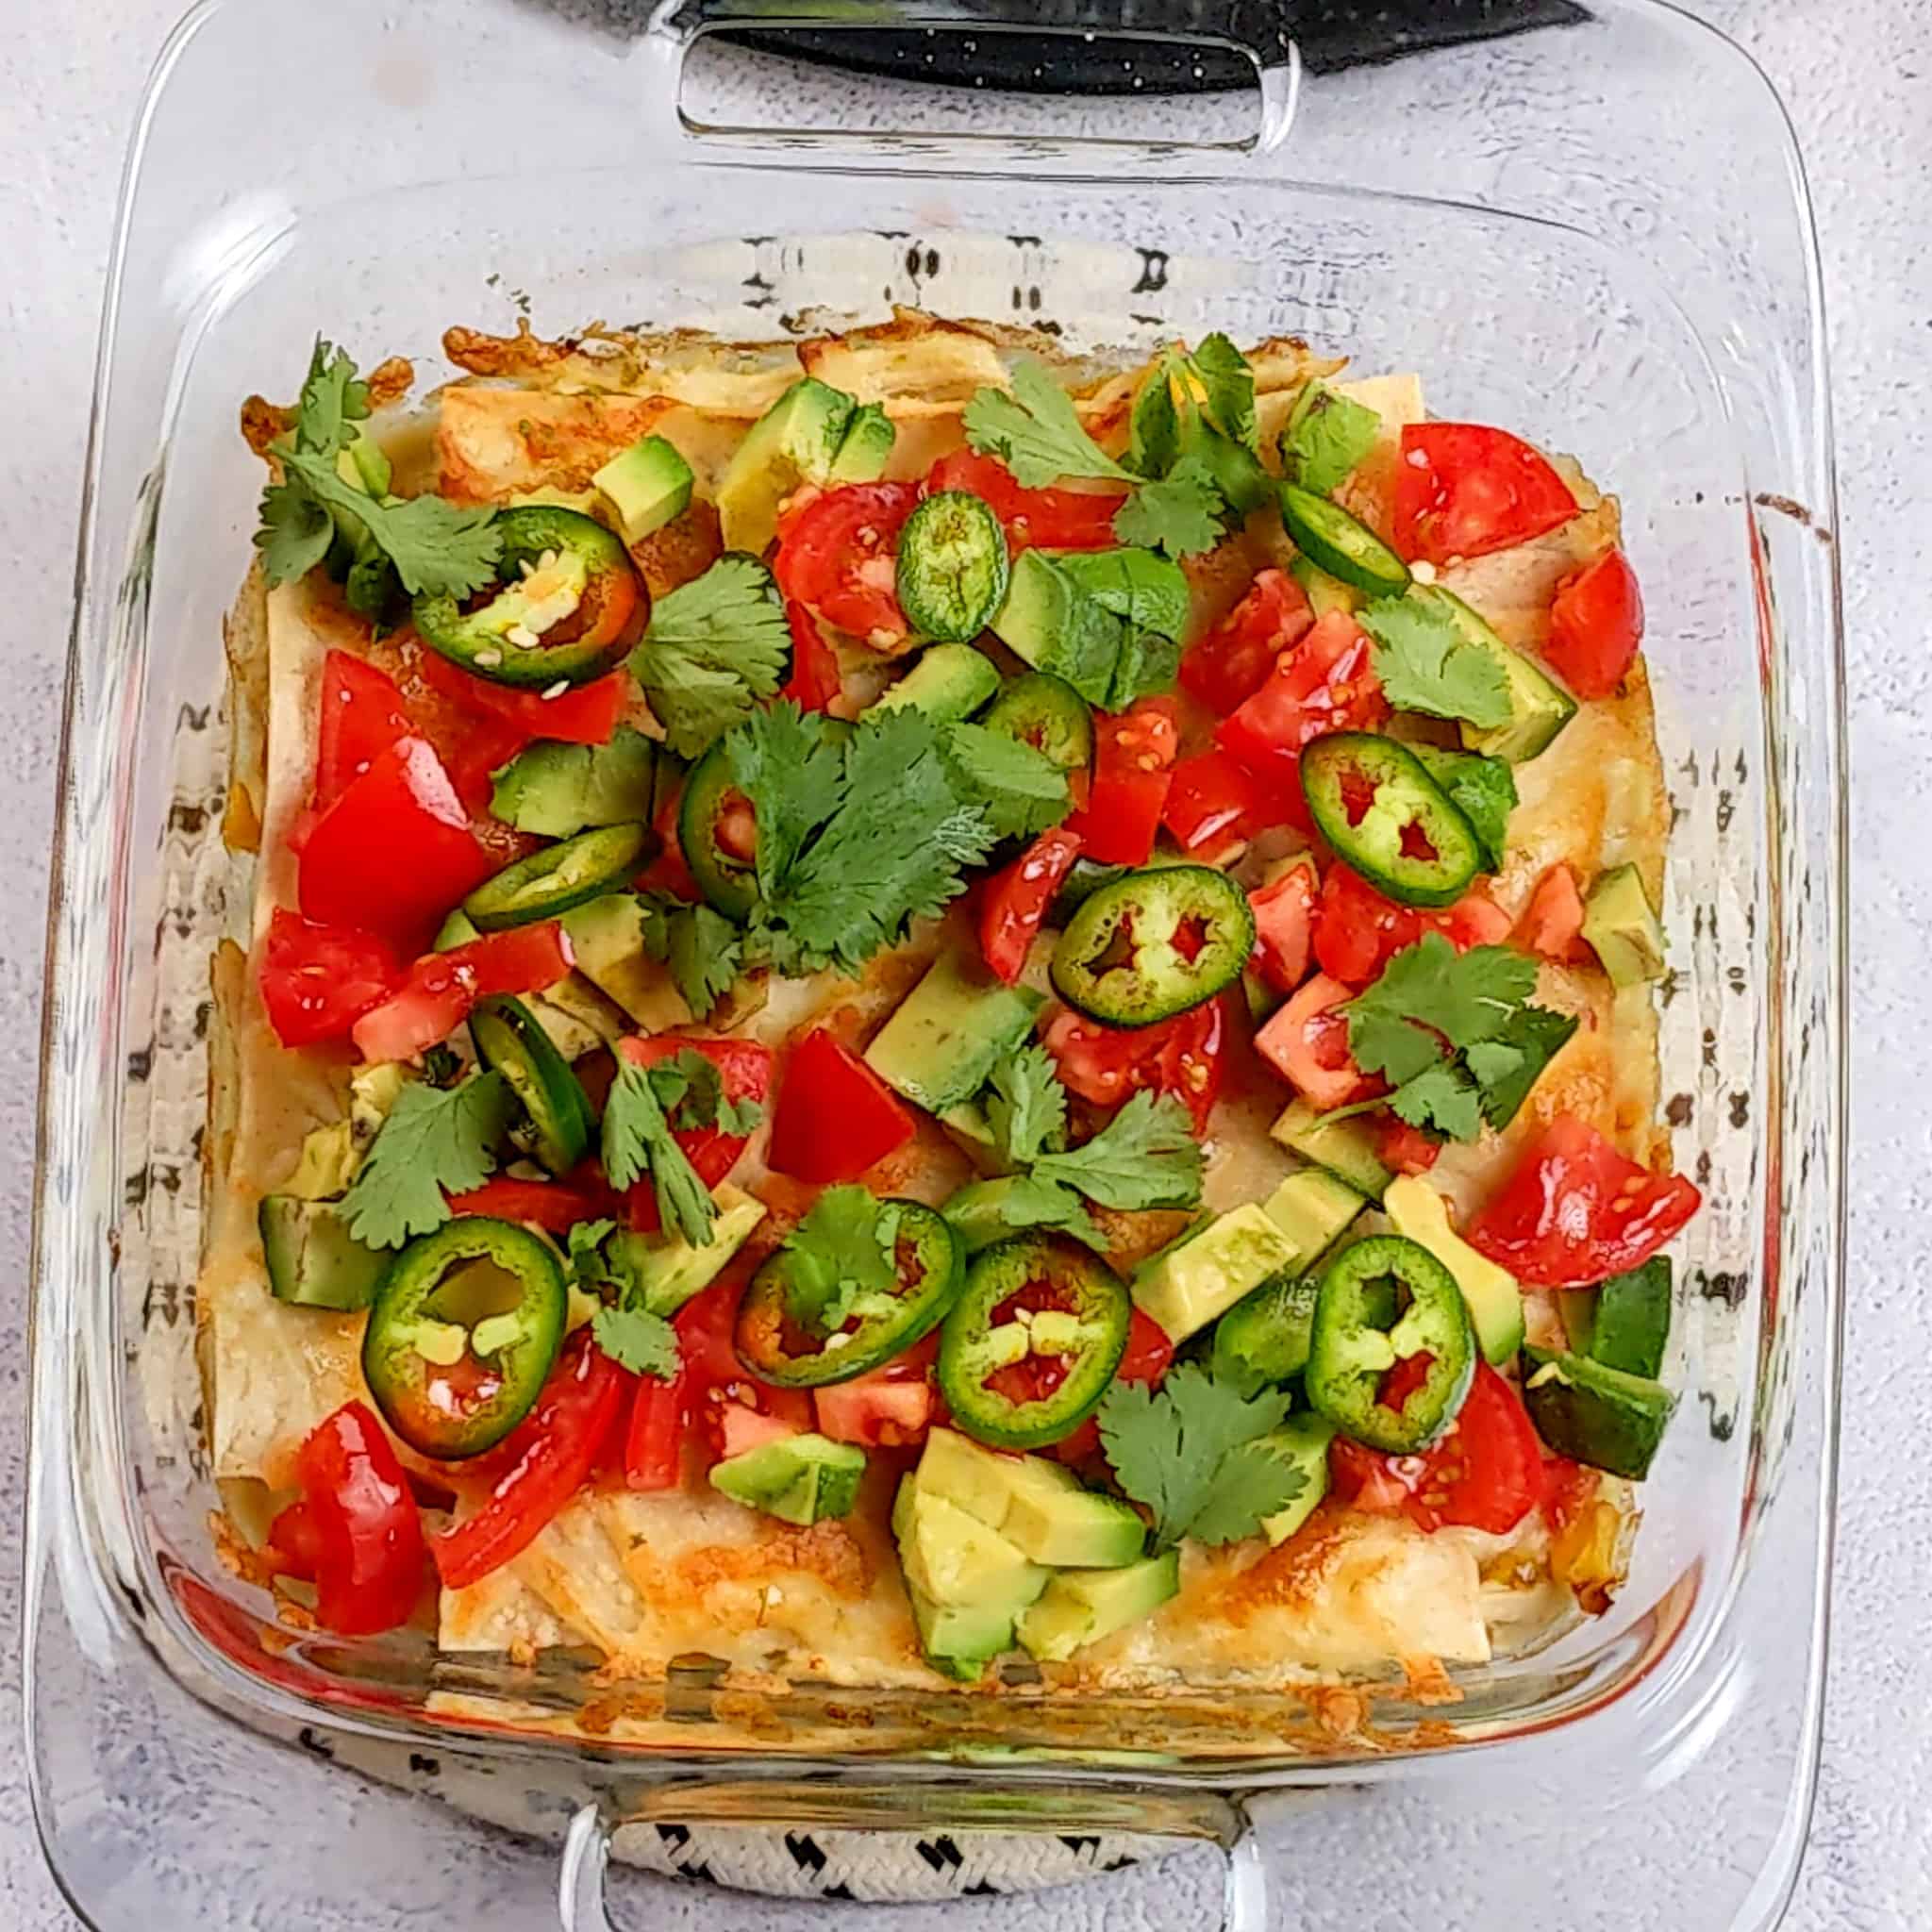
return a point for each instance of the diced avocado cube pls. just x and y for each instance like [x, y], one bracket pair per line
[607, 935]
[558, 791]
[797, 439]
[948, 683]
[1302, 1440]
[1072, 1528]
[373, 1091]
[950, 1032]
[364, 465]
[1324, 593]
[1495, 1301]
[1593, 1414]
[1346, 1148]
[1196, 1283]
[1621, 928]
[1080, 1606]
[802, 1479]
[1576, 1308]
[665, 1271]
[961, 1638]
[1312, 1208]
[1057, 626]
[458, 929]
[977, 1211]
[978, 1479]
[646, 485]
[578, 1016]
[866, 446]
[328, 1163]
[1264, 1338]
[951, 1556]
[313, 1260]
[971, 1132]
[1631, 1320]
[1538, 706]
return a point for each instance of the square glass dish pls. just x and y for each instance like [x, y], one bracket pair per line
[1599, 236]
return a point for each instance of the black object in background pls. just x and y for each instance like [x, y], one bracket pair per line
[1330, 36]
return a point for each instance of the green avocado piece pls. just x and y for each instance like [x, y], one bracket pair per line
[1538, 706]
[1263, 1340]
[1072, 1528]
[802, 1479]
[1302, 1440]
[950, 1031]
[797, 439]
[1324, 593]
[1621, 928]
[1346, 1148]
[1594, 1415]
[1191, 1286]
[647, 485]
[1313, 1210]
[607, 935]
[1631, 1321]
[948, 683]
[313, 1260]
[1058, 626]
[458, 929]
[664, 1271]
[866, 446]
[558, 791]
[1080, 1606]
[1495, 1300]
[960, 1640]
[950, 1556]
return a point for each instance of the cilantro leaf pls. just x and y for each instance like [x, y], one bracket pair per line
[691, 1090]
[716, 648]
[1145, 1156]
[1141, 615]
[1027, 1201]
[1483, 790]
[585, 1259]
[705, 952]
[332, 398]
[787, 760]
[434, 1142]
[1190, 1451]
[1454, 1035]
[1021, 789]
[1325, 435]
[635, 1339]
[1026, 1105]
[840, 1255]
[1180, 513]
[1035, 431]
[437, 548]
[1229, 384]
[295, 533]
[1425, 664]
[637, 1140]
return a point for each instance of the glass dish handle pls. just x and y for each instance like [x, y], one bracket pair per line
[580, 1893]
[1252, 29]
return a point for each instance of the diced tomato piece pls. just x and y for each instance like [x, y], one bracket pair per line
[355, 1534]
[549, 1453]
[1284, 920]
[1307, 1043]
[1358, 932]
[1596, 626]
[1052, 519]
[553, 1206]
[1567, 1487]
[1573, 1211]
[814, 680]
[892, 1407]
[1552, 922]
[442, 988]
[717, 1382]
[362, 715]
[488, 746]
[1215, 805]
[1148, 1357]
[835, 1117]
[586, 714]
[1016, 901]
[395, 851]
[1233, 661]
[747, 1429]
[1463, 489]
[838, 553]
[668, 873]
[1404, 1149]
[1185, 1056]
[1133, 767]
[1324, 683]
[318, 980]
[654, 1438]
[745, 1068]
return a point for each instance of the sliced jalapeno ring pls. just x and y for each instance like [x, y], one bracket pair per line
[1388, 1301]
[566, 607]
[508, 1039]
[778, 1348]
[1153, 944]
[1033, 1343]
[718, 835]
[1049, 714]
[1376, 803]
[1342, 545]
[562, 876]
[464, 1329]
[952, 569]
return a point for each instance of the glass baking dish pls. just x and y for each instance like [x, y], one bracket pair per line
[1599, 236]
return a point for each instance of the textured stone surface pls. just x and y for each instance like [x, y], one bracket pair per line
[1858, 79]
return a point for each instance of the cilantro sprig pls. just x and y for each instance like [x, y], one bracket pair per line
[1194, 1452]
[1454, 1035]
[716, 648]
[630, 1334]
[839, 1260]
[702, 949]
[1426, 664]
[638, 1141]
[435, 1142]
[1325, 435]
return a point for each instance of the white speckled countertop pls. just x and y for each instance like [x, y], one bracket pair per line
[1858, 79]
